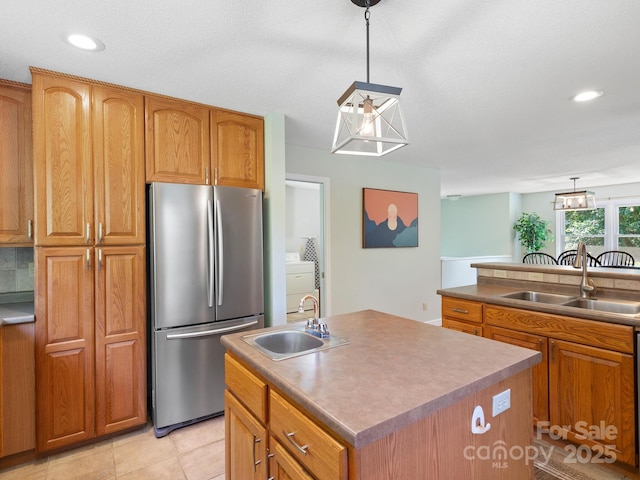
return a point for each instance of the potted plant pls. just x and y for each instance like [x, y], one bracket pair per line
[533, 231]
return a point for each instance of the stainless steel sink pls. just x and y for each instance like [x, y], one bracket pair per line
[610, 306]
[540, 297]
[283, 344]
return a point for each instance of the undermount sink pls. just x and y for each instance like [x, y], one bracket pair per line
[283, 344]
[540, 297]
[622, 307]
[617, 306]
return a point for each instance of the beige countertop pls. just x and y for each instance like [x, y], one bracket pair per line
[12, 313]
[488, 293]
[393, 372]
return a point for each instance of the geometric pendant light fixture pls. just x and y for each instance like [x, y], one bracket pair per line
[582, 200]
[370, 121]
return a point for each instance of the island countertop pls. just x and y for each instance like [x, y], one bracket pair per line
[393, 372]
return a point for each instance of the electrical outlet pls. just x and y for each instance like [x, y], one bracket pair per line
[31, 270]
[500, 273]
[536, 277]
[424, 307]
[501, 402]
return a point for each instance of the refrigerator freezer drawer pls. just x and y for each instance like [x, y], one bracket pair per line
[188, 371]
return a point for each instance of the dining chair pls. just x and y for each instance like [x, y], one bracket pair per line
[568, 257]
[539, 258]
[616, 258]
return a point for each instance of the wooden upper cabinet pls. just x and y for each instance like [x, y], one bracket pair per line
[16, 164]
[177, 141]
[62, 161]
[237, 145]
[118, 156]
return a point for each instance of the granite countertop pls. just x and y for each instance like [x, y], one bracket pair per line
[19, 312]
[393, 372]
[488, 293]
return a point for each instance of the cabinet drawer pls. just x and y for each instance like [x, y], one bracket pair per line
[300, 267]
[466, 310]
[315, 449]
[248, 388]
[300, 283]
[472, 328]
[610, 336]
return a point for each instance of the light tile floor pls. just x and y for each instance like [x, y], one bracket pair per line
[195, 452]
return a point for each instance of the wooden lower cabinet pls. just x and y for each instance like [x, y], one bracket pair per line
[283, 466]
[462, 315]
[17, 389]
[90, 342]
[247, 442]
[539, 373]
[590, 389]
[591, 395]
[439, 446]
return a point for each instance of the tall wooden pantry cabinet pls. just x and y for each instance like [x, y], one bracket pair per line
[89, 259]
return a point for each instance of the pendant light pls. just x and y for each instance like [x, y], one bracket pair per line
[582, 200]
[370, 121]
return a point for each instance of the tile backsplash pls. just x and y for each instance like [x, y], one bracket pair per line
[16, 269]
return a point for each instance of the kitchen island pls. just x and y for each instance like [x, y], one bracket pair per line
[395, 403]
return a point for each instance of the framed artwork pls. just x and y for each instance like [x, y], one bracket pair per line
[390, 218]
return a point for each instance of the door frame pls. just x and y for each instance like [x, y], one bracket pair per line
[323, 244]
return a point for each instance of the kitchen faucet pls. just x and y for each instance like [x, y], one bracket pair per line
[315, 326]
[587, 287]
[316, 307]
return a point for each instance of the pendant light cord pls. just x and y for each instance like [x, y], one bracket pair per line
[366, 17]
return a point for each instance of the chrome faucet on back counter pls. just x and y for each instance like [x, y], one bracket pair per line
[314, 326]
[587, 287]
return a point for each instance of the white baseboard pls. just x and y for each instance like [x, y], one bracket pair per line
[437, 322]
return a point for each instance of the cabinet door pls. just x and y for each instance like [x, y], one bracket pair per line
[237, 144]
[17, 389]
[16, 166]
[245, 442]
[120, 338]
[539, 373]
[64, 346]
[62, 161]
[177, 141]
[592, 390]
[118, 155]
[283, 466]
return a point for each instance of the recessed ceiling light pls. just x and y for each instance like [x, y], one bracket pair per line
[84, 42]
[588, 95]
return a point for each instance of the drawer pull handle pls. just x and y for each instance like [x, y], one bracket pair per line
[460, 310]
[303, 449]
[255, 462]
[100, 233]
[30, 229]
[87, 233]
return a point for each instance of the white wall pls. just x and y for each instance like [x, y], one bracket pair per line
[393, 280]
[480, 225]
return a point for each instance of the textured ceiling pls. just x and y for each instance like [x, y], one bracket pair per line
[486, 84]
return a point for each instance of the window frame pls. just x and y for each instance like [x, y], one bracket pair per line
[611, 222]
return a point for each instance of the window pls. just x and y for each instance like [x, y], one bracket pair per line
[614, 225]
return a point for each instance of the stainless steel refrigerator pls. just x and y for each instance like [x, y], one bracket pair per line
[205, 280]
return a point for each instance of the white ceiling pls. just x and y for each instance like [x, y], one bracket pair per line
[486, 83]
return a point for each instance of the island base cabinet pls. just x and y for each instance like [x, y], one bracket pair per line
[441, 446]
[246, 444]
[283, 466]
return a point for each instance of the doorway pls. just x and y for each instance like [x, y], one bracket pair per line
[306, 201]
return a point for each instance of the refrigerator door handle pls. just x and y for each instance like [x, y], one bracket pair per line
[220, 252]
[207, 333]
[210, 251]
